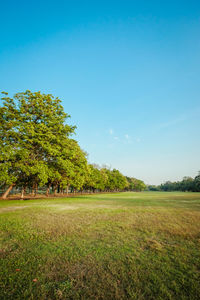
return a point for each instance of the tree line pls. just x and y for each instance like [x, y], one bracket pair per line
[37, 150]
[187, 184]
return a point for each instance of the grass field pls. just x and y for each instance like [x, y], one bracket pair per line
[106, 246]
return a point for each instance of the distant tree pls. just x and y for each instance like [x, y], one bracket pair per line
[197, 183]
[135, 184]
[153, 188]
[96, 178]
[187, 184]
[79, 165]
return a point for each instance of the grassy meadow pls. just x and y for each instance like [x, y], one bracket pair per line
[105, 246]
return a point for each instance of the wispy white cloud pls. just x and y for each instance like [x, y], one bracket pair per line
[111, 131]
[173, 122]
[193, 113]
[126, 138]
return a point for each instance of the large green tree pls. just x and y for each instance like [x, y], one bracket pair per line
[135, 184]
[33, 135]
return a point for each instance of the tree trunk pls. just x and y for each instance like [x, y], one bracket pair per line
[58, 189]
[47, 191]
[36, 189]
[67, 190]
[33, 190]
[22, 193]
[55, 187]
[5, 194]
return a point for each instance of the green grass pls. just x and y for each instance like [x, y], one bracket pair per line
[109, 246]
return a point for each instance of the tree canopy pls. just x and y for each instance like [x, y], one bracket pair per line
[37, 150]
[187, 184]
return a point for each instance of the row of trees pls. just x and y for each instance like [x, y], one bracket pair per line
[36, 150]
[188, 184]
[135, 184]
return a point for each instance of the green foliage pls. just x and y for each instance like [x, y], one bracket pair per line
[95, 178]
[36, 148]
[188, 184]
[34, 139]
[136, 184]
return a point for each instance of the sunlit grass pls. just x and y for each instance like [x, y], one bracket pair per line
[110, 246]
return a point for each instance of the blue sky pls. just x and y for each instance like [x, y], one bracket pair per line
[128, 73]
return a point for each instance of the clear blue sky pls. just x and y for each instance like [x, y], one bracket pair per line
[128, 73]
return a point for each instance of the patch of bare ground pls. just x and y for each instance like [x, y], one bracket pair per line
[84, 206]
[12, 208]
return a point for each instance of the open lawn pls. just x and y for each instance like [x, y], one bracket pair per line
[106, 246]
